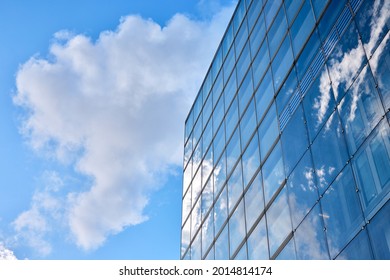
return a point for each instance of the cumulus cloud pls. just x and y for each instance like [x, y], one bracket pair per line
[6, 254]
[115, 109]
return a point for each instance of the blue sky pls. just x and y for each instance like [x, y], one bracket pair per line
[93, 98]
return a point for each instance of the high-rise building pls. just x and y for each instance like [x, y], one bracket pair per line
[287, 145]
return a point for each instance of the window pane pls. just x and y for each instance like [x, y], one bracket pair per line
[302, 189]
[243, 63]
[329, 152]
[319, 6]
[251, 160]
[277, 32]
[264, 95]
[287, 90]
[196, 247]
[332, 12]
[358, 249]
[207, 197]
[282, 62]
[254, 201]
[268, 131]
[229, 63]
[220, 211]
[273, 173]
[294, 135]
[207, 232]
[253, 12]
[237, 230]
[217, 88]
[219, 174]
[257, 242]
[241, 38]
[310, 237]
[258, 34]
[302, 27]
[231, 118]
[342, 212]
[235, 188]
[260, 64]
[379, 229]
[292, 7]
[218, 114]
[279, 222]
[185, 236]
[245, 92]
[270, 9]
[288, 252]
[196, 218]
[312, 48]
[242, 254]
[219, 142]
[230, 89]
[222, 245]
[361, 110]
[233, 151]
[248, 123]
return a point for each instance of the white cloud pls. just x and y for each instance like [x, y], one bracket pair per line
[6, 254]
[115, 108]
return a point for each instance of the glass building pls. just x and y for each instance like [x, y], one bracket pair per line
[287, 145]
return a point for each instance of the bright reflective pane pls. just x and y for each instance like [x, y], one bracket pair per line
[241, 38]
[222, 245]
[219, 142]
[218, 114]
[329, 152]
[196, 218]
[294, 135]
[253, 12]
[258, 34]
[251, 160]
[282, 62]
[235, 188]
[185, 236]
[302, 189]
[277, 31]
[196, 248]
[342, 212]
[292, 7]
[379, 229]
[229, 63]
[273, 173]
[243, 63]
[257, 242]
[264, 95]
[187, 205]
[289, 87]
[311, 49]
[219, 174]
[230, 89]
[231, 118]
[233, 151]
[246, 91]
[248, 124]
[254, 201]
[270, 10]
[207, 232]
[302, 27]
[358, 249]
[237, 229]
[310, 237]
[260, 64]
[288, 252]
[278, 221]
[242, 254]
[220, 211]
[330, 16]
[207, 196]
[268, 131]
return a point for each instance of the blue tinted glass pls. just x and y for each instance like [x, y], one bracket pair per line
[196, 247]
[254, 201]
[361, 110]
[292, 7]
[243, 63]
[258, 34]
[253, 12]
[330, 16]
[278, 221]
[319, 6]
[379, 229]
[219, 142]
[358, 249]
[197, 131]
[217, 88]
[251, 160]
[288, 252]
[233, 150]
[318, 104]
[372, 166]
[219, 174]
[227, 40]
[380, 65]
[268, 131]
[302, 27]
[282, 62]
[289, 87]
[257, 242]
[302, 189]
[248, 123]
[294, 135]
[230, 89]
[239, 15]
[342, 71]
[207, 232]
[196, 218]
[245, 92]
[220, 211]
[185, 236]
[310, 237]
[242, 254]
[264, 95]
[237, 229]
[207, 135]
[207, 196]
[273, 173]
[218, 114]
[270, 10]
[231, 118]
[260, 64]
[222, 245]
[235, 188]
[215, 68]
[207, 166]
[208, 107]
[277, 31]
[241, 38]
[229, 63]
[210, 254]
[342, 213]
[329, 152]
[309, 52]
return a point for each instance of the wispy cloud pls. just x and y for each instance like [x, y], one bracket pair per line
[115, 109]
[6, 254]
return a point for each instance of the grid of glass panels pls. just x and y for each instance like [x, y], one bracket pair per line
[287, 145]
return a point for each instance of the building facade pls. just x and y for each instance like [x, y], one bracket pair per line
[287, 145]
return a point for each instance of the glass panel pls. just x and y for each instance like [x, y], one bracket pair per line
[220, 211]
[361, 110]
[196, 218]
[196, 186]
[241, 38]
[210, 254]
[229, 63]
[187, 205]
[237, 229]
[235, 188]
[312, 48]
[260, 64]
[294, 135]
[207, 197]
[380, 65]
[345, 61]
[329, 152]
[319, 6]
[302, 27]
[282, 62]
[310, 237]
[278, 221]
[233, 150]
[273, 173]
[342, 212]
[318, 104]
[251, 160]
[379, 229]
[288, 252]
[219, 174]
[196, 247]
[302, 189]
[372, 167]
[270, 10]
[248, 123]
[268, 131]
[330, 16]
[185, 236]
[258, 35]
[207, 232]
[254, 201]
[276, 32]
[253, 12]
[230, 89]
[242, 254]
[264, 95]
[358, 249]
[207, 135]
[217, 88]
[216, 67]
[243, 63]
[257, 242]
[289, 87]
[245, 92]
[239, 15]
[219, 142]
[231, 118]
[222, 245]
[218, 114]
[375, 15]
[292, 7]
